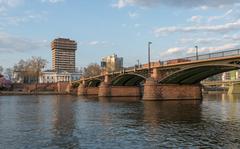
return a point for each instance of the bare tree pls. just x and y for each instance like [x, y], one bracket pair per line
[1, 69]
[9, 73]
[92, 70]
[30, 68]
[21, 70]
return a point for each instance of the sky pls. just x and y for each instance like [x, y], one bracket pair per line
[122, 27]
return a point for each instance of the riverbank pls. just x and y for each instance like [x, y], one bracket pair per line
[13, 93]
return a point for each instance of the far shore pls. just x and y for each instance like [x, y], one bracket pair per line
[13, 93]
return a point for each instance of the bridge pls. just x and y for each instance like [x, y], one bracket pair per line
[166, 80]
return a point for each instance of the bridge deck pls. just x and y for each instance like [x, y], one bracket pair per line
[217, 56]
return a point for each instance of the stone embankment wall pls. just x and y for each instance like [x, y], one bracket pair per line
[60, 87]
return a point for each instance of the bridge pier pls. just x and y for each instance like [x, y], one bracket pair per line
[82, 90]
[105, 87]
[104, 90]
[63, 87]
[154, 91]
[150, 90]
[234, 89]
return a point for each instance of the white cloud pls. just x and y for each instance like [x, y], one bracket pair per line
[10, 43]
[53, 1]
[120, 4]
[5, 5]
[26, 17]
[201, 41]
[196, 19]
[204, 4]
[93, 42]
[199, 28]
[133, 14]
[10, 3]
[212, 18]
[174, 50]
[136, 25]
[178, 52]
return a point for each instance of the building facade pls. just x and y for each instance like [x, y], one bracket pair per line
[112, 63]
[63, 55]
[231, 75]
[53, 77]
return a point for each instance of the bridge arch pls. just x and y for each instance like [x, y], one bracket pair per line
[93, 83]
[130, 79]
[196, 74]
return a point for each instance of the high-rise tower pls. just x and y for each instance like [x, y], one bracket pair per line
[63, 55]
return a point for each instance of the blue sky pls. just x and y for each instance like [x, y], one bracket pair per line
[123, 27]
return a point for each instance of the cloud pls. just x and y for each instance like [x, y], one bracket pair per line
[162, 31]
[94, 43]
[210, 40]
[24, 18]
[10, 3]
[10, 43]
[196, 19]
[201, 41]
[213, 18]
[5, 5]
[175, 3]
[52, 1]
[185, 52]
[136, 25]
[133, 14]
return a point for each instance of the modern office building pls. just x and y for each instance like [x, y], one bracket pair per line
[63, 55]
[112, 63]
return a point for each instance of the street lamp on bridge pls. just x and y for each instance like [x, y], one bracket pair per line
[138, 64]
[196, 52]
[149, 63]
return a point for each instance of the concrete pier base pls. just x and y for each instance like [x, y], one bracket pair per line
[63, 87]
[82, 90]
[151, 90]
[104, 90]
[234, 89]
[154, 91]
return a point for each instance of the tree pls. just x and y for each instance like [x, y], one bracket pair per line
[37, 64]
[1, 69]
[5, 84]
[92, 70]
[30, 68]
[9, 73]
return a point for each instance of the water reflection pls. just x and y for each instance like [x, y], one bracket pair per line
[64, 123]
[77, 122]
[118, 99]
[172, 111]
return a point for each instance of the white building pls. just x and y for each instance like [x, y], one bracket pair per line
[112, 63]
[53, 77]
[231, 75]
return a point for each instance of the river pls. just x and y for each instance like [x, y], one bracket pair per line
[53, 122]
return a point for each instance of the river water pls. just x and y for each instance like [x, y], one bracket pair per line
[32, 122]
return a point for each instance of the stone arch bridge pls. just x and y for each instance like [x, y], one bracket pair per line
[172, 79]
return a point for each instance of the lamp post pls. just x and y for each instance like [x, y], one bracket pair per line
[149, 63]
[138, 65]
[196, 52]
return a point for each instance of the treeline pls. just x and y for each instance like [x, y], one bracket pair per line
[30, 68]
